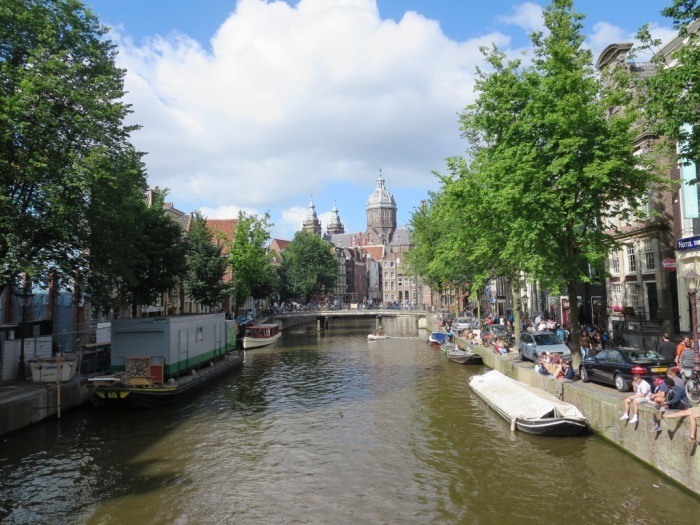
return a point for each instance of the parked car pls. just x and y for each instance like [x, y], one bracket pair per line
[463, 323]
[491, 332]
[617, 366]
[532, 344]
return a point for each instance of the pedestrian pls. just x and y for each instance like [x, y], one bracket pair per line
[693, 413]
[667, 349]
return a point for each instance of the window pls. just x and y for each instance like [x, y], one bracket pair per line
[617, 293]
[631, 259]
[392, 275]
[200, 333]
[413, 293]
[400, 279]
[386, 275]
[633, 294]
[391, 264]
[615, 263]
[386, 297]
[649, 259]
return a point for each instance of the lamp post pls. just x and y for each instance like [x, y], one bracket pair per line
[24, 299]
[691, 279]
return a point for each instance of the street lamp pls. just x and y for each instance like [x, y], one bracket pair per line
[691, 279]
[24, 300]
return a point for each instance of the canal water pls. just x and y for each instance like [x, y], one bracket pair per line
[326, 428]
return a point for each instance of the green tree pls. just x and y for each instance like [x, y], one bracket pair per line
[161, 260]
[253, 274]
[671, 97]
[61, 116]
[206, 265]
[550, 162]
[308, 265]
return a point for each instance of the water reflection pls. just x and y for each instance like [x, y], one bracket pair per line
[325, 428]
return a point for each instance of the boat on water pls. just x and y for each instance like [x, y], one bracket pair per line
[437, 338]
[54, 369]
[261, 335]
[459, 355]
[377, 337]
[159, 360]
[528, 409]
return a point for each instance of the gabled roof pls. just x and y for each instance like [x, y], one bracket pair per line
[223, 231]
[376, 252]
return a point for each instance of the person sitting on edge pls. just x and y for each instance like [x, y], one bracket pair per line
[677, 381]
[555, 368]
[642, 391]
[693, 413]
[676, 397]
[542, 364]
[566, 376]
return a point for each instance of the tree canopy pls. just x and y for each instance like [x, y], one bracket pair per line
[671, 97]
[64, 149]
[308, 266]
[206, 265]
[253, 273]
[548, 164]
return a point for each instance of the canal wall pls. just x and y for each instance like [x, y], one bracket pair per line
[667, 451]
[24, 404]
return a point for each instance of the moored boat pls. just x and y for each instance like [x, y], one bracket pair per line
[53, 369]
[157, 360]
[459, 355]
[528, 409]
[437, 338]
[261, 335]
[377, 337]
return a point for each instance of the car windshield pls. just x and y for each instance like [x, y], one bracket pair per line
[642, 354]
[547, 339]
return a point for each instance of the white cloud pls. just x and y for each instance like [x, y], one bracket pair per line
[291, 99]
[527, 16]
[605, 34]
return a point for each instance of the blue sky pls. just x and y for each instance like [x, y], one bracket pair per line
[260, 105]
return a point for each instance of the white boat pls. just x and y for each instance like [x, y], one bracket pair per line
[49, 370]
[377, 337]
[528, 409]
[261, 335]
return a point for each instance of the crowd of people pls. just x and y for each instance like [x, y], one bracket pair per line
[667, 396]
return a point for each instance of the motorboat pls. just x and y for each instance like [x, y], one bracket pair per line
[377, 337]
[527, 408]
[437, 338]
[260, 335]
[459, 355]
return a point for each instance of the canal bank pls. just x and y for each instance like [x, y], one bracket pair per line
[666, 451]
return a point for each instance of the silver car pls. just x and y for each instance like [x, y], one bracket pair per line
[532, 344]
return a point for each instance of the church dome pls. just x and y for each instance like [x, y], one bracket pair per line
[381, 198]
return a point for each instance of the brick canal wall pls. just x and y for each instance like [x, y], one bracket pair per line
[666, 451]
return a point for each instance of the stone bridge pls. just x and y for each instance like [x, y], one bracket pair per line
[322, 318]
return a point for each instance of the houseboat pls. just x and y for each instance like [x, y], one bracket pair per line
[260, 335]
[157, 360]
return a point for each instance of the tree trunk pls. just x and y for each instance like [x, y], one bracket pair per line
[574, 327]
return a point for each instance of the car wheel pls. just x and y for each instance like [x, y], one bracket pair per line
[620, 383]
[522, 355]
[584, 374]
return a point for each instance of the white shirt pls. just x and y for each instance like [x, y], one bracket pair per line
[643, 388]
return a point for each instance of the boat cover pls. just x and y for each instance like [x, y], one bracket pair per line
[519, 400]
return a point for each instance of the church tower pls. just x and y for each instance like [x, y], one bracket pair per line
[311, 223]
[335, 226]
[381, 214]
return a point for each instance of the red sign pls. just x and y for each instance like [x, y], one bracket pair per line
[669, 264]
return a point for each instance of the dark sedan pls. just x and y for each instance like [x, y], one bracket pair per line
[617, 367]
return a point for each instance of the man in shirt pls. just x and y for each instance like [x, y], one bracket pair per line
[642, 391]
[667, 348]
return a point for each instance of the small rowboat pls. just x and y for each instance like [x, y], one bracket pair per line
[461, 356]
[527, 408]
